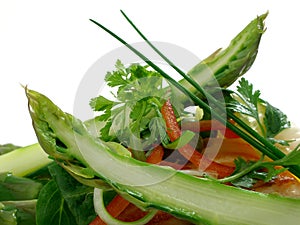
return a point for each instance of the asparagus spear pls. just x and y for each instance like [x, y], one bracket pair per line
[224, 67]
[201, 201]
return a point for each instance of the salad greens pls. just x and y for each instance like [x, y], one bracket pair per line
[269, 119]
[255, 139]
[148, 185]
[87, 160]
[135, 108]
[247, 173]
[59, 200]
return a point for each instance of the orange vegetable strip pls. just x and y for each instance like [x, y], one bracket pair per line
[208, 125]
[174, 132]
[202, 162]
[156, 155]
[178, 166]
[117, 205]
[173, 129]
[97, 221]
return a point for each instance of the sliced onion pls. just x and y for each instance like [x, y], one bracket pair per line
[107, 218]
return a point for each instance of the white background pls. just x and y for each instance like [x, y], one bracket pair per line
[49, 46]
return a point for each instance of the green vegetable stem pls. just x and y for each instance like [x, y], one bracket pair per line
[199, 200]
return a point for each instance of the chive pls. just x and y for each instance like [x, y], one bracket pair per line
[261, 143]
[273, 153]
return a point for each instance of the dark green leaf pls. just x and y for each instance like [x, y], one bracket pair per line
[78, 197]
[18, 188]
[24, 211]
[101, 103]
[293, 158]
[105, 132]
[248, 100]
[8, 215]
[245, 182]
[270, 121]
[52, 208]
[275, 121]
[7, 148]
[157, 128]
[247, 92]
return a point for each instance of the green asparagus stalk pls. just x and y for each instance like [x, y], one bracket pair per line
[224, 67]
[201, 201]
[220, 69]
[24, 160]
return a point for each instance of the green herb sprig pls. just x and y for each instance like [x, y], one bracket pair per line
[256, 140]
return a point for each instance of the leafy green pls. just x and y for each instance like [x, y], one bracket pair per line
[18, 212]
[275, 120]
[64, 200]
[258, 171]
[269, 119]
[138, 99]
[52, 208]
[7, 148]
[247, 173]
[7, 215]
[149, 185]
[78, 197]
[18, 188]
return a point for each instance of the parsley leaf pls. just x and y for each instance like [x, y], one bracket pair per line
[247, 173]
[269, 120]
[138, 98]
[275, 120]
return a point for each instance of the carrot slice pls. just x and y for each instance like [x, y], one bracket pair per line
[117, 205]
[203, 163]
[173, 129]
[208, 125]
[195, 157]
[156, 155]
